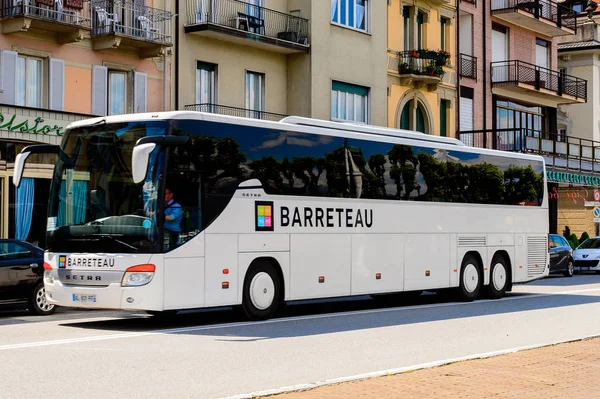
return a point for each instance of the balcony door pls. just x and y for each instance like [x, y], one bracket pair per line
[205, 86]
[499, 53]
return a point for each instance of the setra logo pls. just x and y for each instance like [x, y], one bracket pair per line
[62, 262]
[264, 216]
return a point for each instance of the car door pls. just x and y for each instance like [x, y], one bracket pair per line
[17, 274]
[554, 253]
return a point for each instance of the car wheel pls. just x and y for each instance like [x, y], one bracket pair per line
[498, 278]
[470, 279]
[262, 292]
[570, 269]
[37, 303]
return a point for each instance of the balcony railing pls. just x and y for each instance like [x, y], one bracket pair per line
[560, 151]
[539, 9]
[470, 1]
[76, 17]
[242, 16]
[467, 66]
[233, 111]
[122, 17]
[505, 73]
[422, 62]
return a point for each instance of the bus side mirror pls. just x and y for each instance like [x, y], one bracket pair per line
[21, 158]
[142, 150]
[19, 167]
[139, 161]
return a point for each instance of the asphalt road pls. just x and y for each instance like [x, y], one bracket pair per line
[213, 354]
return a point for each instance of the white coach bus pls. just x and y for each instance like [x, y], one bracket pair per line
[273, 212]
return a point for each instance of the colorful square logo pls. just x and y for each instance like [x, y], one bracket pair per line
[62, 262]
[264, 220]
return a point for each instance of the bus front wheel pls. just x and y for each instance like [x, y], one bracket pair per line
[470, 278]
[262, 291]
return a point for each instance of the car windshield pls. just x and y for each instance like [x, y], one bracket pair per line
[590, 243]
[94, 204]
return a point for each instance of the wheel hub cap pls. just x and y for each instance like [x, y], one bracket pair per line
[499, 276]
[40, 299]
[471, 278]
[262, 290]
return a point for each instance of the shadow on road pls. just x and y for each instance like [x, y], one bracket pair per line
[334, 316]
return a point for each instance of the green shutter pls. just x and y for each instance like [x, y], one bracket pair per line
[406, 12]
[348, 88]
[405, 117]
[420, 121]
[443, 116]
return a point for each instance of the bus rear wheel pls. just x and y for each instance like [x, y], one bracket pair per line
[498, 278]
[262, 292]
[470, 279]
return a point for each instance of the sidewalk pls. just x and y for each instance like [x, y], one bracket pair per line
[570, 370]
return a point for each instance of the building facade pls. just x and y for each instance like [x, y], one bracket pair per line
[271, 58]
[510, 83]
[421, 66]
[65, 60]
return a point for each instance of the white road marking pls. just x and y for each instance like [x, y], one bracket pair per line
[271, 321]
[395, 371]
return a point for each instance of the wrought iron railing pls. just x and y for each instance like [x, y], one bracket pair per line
[559, 150]
[248, 17]
[467, 66]
[514, 72]
[422, 62]
[546, 9]
[56, 13]
[127, 18]
[233, 111]
[470, 1]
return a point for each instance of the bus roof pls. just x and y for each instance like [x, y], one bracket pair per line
[295, 121]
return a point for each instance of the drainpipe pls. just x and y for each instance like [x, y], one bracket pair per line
[176, 58]
[457, 30]
[484, 68]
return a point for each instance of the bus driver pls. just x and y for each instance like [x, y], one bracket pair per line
[173, 216]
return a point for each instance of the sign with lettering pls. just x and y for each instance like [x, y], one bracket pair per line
[564, 177]
[32, 124]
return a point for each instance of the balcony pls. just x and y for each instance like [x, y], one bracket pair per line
[543, 16]
[527, 82]
[69, 23]
[233, 111]
[560, 152]
[422, 67]
[467, 66]
[246, 24]
[125, 24]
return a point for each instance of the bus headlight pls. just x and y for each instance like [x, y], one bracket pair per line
[138, 275]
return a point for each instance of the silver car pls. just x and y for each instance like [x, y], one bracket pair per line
[587, 255]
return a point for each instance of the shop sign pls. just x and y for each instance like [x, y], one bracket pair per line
[32, 125]
[564, 177]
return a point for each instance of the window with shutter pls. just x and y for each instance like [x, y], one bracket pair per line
[140, 88]
[9, 77]
[99, 90]
[56, 85]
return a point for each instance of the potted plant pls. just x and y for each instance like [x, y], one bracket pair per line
[414, 53]
[403, 68]
[430, 70]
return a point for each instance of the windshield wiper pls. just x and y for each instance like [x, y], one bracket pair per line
[111, 238]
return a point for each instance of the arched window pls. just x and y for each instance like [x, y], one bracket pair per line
[410, 121]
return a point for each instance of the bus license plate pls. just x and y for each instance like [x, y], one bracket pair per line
[84, 298]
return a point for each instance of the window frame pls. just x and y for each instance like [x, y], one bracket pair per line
[212, 69]
[444, 23]
[27, 85]
[127, 90]
[262, 86]
[346, 24]
[337, 90]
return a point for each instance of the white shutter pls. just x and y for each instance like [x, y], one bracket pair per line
[99, 90]
[56, 85]
[9, 77]
[466, 114]
[466, 34]
[140, 92]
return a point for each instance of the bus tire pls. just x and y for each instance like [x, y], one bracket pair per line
[499, 276]
[470, 279]
[262, 291]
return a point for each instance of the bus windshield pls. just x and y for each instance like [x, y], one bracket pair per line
[94, 204]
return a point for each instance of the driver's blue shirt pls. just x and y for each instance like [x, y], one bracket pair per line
[173, 209]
